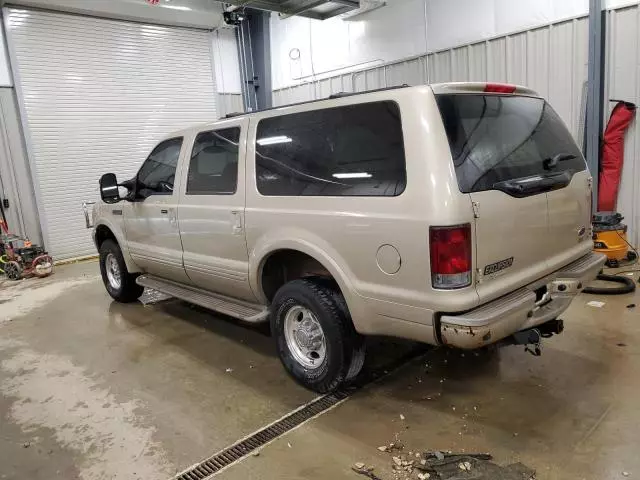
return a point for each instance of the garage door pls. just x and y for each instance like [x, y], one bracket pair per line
[97, 94]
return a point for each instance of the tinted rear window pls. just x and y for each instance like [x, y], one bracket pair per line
[355, 150]
[494, 138]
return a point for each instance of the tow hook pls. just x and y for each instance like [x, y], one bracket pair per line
[531, 339]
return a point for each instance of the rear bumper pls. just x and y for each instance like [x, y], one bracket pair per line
[519, 310]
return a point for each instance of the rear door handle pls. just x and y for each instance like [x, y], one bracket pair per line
[237, 222]
[164, 211]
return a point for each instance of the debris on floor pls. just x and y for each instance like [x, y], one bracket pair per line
[631, 305]
[362, 469]
[596, 304]
[439, 465]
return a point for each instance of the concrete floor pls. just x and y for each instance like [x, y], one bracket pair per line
[95, 390]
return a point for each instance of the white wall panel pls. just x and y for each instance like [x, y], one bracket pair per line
[6, 79]
[97, 95]
[227, 64]
[404, 29]
[550, 59]
[229, 103]
[516, 58]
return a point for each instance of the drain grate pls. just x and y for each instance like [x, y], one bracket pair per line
[244, 447]
[235, 452]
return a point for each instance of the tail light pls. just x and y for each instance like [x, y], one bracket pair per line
[499, 88]
[450, 249]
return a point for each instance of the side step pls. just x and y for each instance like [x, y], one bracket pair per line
[249, 312]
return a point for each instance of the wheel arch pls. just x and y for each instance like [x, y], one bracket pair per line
[325, 257]
[105, 230]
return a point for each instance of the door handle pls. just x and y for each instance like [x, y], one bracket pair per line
[237, 222]
[164, 211]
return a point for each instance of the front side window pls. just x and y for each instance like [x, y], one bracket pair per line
[355, 150]
[213, 169]
[158, 172]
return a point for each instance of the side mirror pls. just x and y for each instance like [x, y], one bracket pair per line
[109, 188]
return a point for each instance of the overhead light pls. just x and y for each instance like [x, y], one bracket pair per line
[274, 140]
[178, 7]
[352, 175]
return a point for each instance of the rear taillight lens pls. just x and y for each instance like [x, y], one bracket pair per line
[450, 249]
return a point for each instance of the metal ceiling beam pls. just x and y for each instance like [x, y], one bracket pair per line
[348, 3]
[303, 7]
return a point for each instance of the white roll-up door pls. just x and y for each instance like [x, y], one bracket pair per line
[97, 95]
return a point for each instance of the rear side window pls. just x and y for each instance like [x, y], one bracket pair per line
[495, 138]
[355, 150]
[213, 169]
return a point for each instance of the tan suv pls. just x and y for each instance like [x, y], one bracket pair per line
[453, 214]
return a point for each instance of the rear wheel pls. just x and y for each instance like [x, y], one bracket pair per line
[120, 284]
[315, 338]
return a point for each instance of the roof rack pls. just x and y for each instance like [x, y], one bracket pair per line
[333, 96]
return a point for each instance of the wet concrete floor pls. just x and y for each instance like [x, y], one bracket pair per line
[90, 389]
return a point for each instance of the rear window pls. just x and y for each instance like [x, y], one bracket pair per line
[495, 138]
[355, 150]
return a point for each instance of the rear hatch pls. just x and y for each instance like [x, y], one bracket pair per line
[528, 183]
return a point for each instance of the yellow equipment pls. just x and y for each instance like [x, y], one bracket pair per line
[610, 238]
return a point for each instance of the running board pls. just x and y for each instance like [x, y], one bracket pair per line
[249, 312]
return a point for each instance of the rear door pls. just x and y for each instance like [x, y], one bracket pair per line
[513, 156]
[211, 211]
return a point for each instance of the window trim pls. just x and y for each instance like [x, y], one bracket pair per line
[195, 139]
[404, 151]
[153, 194]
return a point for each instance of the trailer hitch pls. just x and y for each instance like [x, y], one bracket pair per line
[531, 339]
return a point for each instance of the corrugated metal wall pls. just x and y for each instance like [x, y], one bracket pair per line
[622, 82]
[551, 59]
[229, 103]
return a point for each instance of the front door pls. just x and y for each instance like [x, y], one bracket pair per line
[211, 211]
[151, 221]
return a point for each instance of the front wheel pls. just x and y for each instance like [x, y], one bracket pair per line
[120, 284]
[315, 338]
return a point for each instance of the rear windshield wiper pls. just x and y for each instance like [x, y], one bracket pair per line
[523, 187]
[552, 162]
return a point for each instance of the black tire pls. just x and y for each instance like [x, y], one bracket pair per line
[344, 346]
[129, 290]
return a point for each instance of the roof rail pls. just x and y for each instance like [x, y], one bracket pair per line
[333, 96]
[350, 94]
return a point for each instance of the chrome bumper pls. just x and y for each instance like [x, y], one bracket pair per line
[519, 310]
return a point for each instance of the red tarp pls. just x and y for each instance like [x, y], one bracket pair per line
[612, 156]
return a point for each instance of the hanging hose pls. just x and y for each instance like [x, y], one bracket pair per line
[627, 285]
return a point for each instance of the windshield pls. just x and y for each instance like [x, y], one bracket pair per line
[496, 138]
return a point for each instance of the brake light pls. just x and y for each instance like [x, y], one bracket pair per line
[499, 88]
[450, 251]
